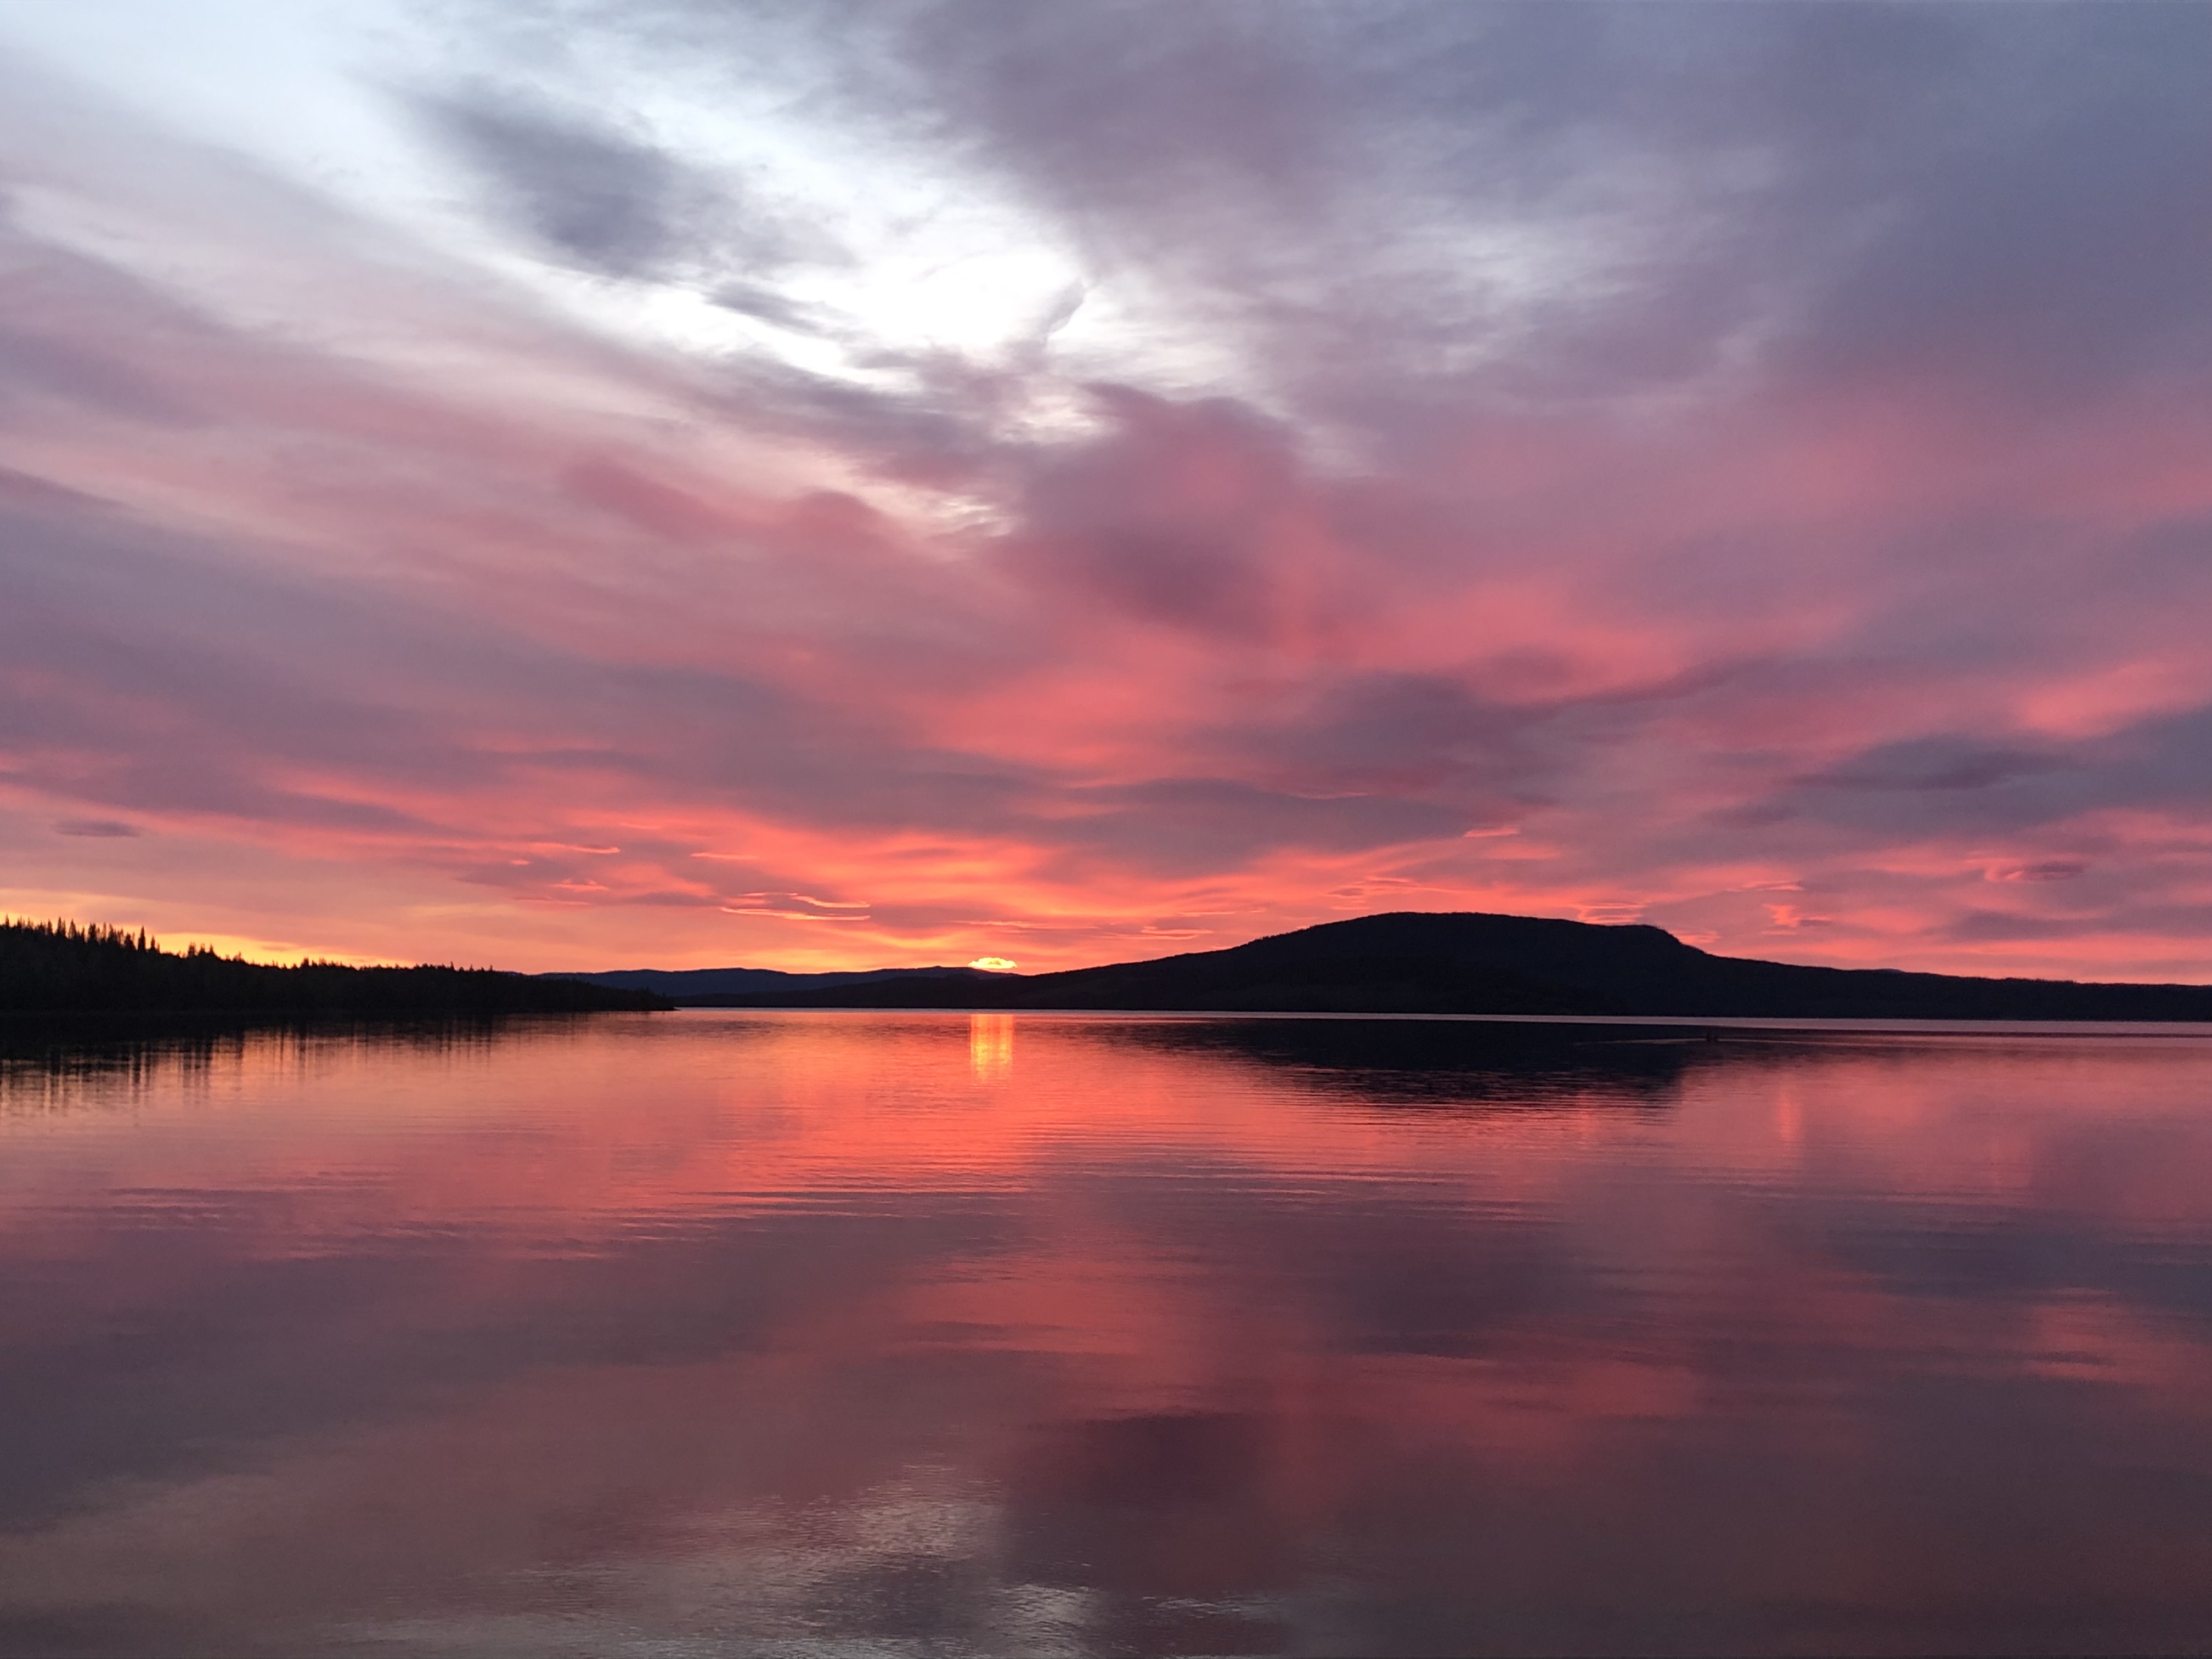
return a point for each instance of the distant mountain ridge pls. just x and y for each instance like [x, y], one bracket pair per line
[1467, 962]
[714, 981]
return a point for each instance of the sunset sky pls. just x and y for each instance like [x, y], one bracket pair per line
[681, 483]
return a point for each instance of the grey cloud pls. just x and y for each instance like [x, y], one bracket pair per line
[2004, 193]
[2165, 761]
[2054, 227]
[2048, 870]
[1995, 193]
[1934, 764]
[81, 363]
[1416, 736]
[604, 201]
[29, 362]
[1954, 783]
[97, 829]
[758, 300]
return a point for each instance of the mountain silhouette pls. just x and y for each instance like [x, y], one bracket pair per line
[1468, 963]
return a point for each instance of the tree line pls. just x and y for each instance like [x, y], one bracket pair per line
[67, 966]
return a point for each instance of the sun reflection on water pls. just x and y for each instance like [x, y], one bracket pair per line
[991, 1046]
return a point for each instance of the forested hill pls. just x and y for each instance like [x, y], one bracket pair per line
[61, 968]
[1420, 961]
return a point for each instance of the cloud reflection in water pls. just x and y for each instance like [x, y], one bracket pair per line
[840, 1334]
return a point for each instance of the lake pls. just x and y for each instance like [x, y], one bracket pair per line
[845, 1334]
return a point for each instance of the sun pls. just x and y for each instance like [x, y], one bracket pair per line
[993, 964]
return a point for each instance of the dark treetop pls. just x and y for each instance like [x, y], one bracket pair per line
[59, 968]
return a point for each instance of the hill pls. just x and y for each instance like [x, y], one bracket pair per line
[1417, 962]
[58, 968]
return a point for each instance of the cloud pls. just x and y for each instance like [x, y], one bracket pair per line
[97, 829]
[601, 199]
[1926, 764]
[1061, 473]
[2047, 870]
[2048, 244]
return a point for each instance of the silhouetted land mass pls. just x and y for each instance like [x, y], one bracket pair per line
[59, 968]
[691, 983]
[1415, 962]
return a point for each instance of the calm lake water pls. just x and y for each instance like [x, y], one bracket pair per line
[841, 1333]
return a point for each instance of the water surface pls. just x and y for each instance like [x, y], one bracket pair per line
[814, 1334]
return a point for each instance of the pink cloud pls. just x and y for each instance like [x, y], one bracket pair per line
[507, 636]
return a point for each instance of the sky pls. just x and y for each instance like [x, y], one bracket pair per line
[679, 483]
